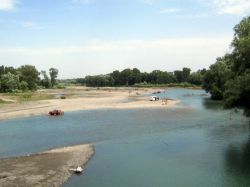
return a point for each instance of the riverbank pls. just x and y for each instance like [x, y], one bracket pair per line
[82, 98]
[50, 168]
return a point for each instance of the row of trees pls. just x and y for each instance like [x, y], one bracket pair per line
[229, 78]
[129, 77]
[25, 78]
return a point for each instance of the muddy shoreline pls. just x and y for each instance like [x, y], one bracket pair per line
[49, 168]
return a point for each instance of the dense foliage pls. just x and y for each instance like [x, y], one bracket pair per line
[229, 78]
[25, 78]
[129, 77]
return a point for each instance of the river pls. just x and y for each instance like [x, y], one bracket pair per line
[196, 143]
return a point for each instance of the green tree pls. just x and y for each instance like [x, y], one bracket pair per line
[1, 70]
[136, 75]
[23, 86]
[45, 81]
[53, 72]
[161, 77]
[10, 69]
[99, 81]
[127, 77]
[9, 82]
[179, 76]
[241, 46]
[145, 77]
[216, 77]
[30, 75]
[116, 77]
[229, 77]
[237, 91]
[185, 74]
[197, 77]
[80, 81]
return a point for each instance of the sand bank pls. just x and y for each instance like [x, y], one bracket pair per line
[85, 99]
[50, 168]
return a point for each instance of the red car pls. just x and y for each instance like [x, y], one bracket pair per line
[56, 113]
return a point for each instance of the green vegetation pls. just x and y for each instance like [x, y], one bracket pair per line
[29, 96]
[4, 102]
[229, 78]
[9, 82]
[45, 81]
[29, 75]
[53, 75]
[25, 78]
[133, 77]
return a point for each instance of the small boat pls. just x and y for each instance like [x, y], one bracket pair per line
[56, 113]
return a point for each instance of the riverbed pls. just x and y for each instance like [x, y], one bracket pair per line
[195, 143]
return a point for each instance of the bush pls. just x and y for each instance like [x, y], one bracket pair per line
[60, 86]
[26, 96]
[23, 86]
[63, 97]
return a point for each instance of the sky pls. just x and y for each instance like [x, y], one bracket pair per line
[89, 37]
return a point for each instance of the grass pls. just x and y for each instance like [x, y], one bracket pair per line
[30, 96]
[4, 102]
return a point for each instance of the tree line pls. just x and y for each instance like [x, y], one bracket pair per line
[229, 78]
[25, 78]
[129, 77]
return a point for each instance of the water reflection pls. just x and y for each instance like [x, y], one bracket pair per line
[247, 112]
[237, 159]
[211, 104]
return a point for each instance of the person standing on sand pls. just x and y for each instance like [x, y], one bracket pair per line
[164, 101]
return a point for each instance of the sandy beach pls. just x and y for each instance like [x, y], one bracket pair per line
[82, 98]
[50, 168]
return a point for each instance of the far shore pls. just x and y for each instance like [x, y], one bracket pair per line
[50, 168]
[83, 98]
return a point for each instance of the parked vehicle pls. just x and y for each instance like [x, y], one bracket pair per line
[154, 98]
[56, 113]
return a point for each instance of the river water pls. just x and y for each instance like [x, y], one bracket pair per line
[196, 143]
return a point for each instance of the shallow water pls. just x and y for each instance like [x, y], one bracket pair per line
[196, 143]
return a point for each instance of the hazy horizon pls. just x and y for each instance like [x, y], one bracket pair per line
[89, 37]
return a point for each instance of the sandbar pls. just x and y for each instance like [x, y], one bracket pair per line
[82, 98]
[50, 168]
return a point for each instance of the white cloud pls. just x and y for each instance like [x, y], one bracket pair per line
[30, 25]
[241, 7]
[170, 10]
[126, 45]
[193, 16]
[98, 57]
[7, 5]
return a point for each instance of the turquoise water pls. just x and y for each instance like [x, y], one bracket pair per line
[196, 143]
